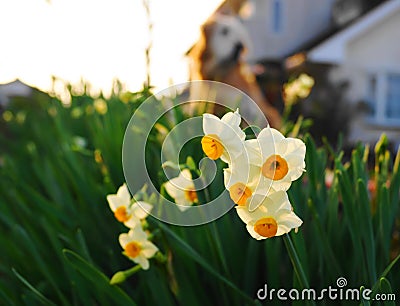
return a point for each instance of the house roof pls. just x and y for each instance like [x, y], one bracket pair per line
[332, 49]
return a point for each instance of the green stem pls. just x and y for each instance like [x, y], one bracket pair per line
[132, 270]
[294, 258]
[121, 276]
[212, 233]
[298, 268]
[286, 112]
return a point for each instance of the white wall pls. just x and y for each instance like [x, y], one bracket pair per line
[379, 47]
[375, 51]
[302, 20]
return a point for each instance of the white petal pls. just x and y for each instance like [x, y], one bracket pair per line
[233, 119]
[229, 136]
[263, 146]
[138, 234]
[124, 194]
[283, 184]
[296, 166]
[132, 222]
[247, 216]
[228, 179]
[148, 249]
[238, 171]
[142, 261]
[141, 209]
[253, 204]
[185, 175]
[233, 148]
[255, 201]
[172, 190]
[281, 147]
[182, 200]
[212, 124]
[253, 233]
[295, 161]
[266, 133]
[184, 205]
[253, 150]
[278, 200]
[276, 135]
[115, 201]
[178, 191]
[176, 186]
[243, 214]
[290, 219]
[295, 173]
[295, 146]
[124, 239]
[282, 229]
[258, 183]
[228, 130]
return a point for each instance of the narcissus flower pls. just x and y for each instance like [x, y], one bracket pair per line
[243, 181]
[123, 209]
[223, 137]
[280, 160]
[137, 247]
[182, 189]
[273, 217]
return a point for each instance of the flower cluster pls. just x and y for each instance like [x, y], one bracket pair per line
[297, 89]
[259, 172]
[182, 189]
[136, 244]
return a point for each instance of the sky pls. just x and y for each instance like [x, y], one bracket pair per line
[97, 40]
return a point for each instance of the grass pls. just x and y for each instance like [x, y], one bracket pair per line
[60, 240]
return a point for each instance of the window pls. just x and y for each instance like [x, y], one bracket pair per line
[393, 96]
[277, 16]
[384, 98]
[371, 96]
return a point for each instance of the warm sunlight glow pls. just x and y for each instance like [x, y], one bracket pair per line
[97, 40]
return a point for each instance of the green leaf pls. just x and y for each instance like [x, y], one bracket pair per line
[386, 289]
[251, 131]
[189, 251]
[367, 228]
[36, 292]
[385, 273]
[98, 279]
[191, 164]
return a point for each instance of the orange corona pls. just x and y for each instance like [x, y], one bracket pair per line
[212, 146]
[239, 193]
[266, 227]
[121, 214]
[132, 249]
[275, 168]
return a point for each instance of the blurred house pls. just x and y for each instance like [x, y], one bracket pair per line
[351, 47]
[15, 88]
[279, 27]
[367, 53]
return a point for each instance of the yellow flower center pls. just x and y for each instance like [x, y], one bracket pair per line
[132, 249]
[275, 168]
[121, 214]
[266, 227]
[239, 193]
[212, 146]
[191, 195]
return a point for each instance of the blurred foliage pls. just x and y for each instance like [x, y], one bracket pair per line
[59, 237]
